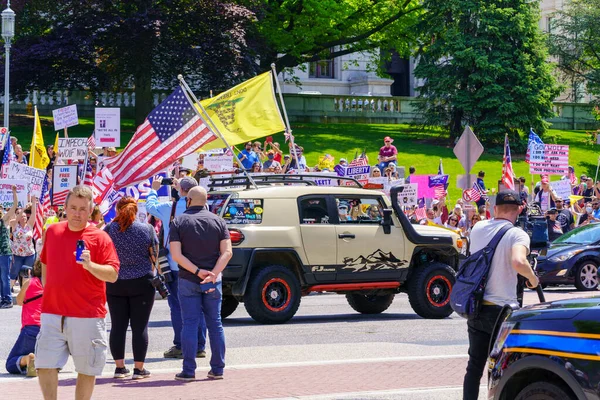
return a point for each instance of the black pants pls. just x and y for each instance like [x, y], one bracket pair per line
[480, 333]
[130, 301]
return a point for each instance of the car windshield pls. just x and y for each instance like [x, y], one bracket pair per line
[587, 234]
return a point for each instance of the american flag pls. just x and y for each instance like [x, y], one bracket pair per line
[40, 211]
[420, 213]
[88, 178]
[102, 185]
[58, 199]
[508, 175]
[439, 191]
[7, 158]
[288, 135]
[359, 162]
[171, 131]
[474, 193]
[91, 142]
[533, 139]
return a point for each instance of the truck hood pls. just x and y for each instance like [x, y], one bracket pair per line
[427, 230]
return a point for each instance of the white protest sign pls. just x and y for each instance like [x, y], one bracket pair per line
[555, 162]
[562, 188]
[65, 117]
[72, 149]
[536, 152]
[108, 127]
[353, 172]
[218, 163]
[142, 215]
[64, 178]
[386, 182]
[33, 176]
[326, 180]
[407, 194]
[6, 195]
[190, 162]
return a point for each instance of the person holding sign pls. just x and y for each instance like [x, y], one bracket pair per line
[6, 253]
[22, 243]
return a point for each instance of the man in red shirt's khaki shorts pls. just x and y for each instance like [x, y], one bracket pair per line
[73, 307]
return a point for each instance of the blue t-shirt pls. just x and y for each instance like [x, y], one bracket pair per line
[251, 158]
[133, 248]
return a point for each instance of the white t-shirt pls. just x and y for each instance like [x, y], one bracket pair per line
[501, 288]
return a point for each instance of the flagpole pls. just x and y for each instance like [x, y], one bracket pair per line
[597, 166]
[32, 153]
[287, 121]
[188, 92]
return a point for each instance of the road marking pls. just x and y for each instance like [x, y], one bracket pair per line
[70, 375]
[379, 393]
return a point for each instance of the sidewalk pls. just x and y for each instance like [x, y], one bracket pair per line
[256, 382]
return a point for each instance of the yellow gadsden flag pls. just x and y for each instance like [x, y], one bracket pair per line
[245, 112]
[38, 158]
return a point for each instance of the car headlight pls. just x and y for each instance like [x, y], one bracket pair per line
[564, 257]
[505, 330]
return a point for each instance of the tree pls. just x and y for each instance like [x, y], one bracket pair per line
[106, 45]
[293, 32]
[574, 41]
[484, 64]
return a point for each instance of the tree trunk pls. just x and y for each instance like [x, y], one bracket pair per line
[456, 124]
[143, 94]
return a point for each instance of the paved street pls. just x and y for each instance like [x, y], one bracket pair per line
[326, 352]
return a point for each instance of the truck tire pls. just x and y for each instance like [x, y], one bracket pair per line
[429, 290]
[273, 295]
[543, 391]
[228, 306]
[369, 304]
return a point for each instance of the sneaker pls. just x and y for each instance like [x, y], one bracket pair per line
[185, 377]
[212, 375]
[6, 305]
[173, 352]
[137, 374]
[201, 354]
[121, 373]
[31, 371]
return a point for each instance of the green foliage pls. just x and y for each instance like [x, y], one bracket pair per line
[574, 40]
[484, 64]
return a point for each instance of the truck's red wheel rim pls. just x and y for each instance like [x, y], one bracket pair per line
[276, 294]
[438, 290]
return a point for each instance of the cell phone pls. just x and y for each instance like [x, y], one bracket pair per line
[205, 287]
[269, 139]
[167, 182]
[80, 248]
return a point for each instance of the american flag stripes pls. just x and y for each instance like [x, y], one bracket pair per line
[171, 131]
[7, 158]
[91, 142]
[40, 211]
[508, 175]
[359, 162]
[102, 185]
[88, 178]
[474, 193]
[439, 191]
[533, 139]
[59, 199]
[420, 213]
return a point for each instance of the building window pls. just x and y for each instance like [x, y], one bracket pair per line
[321, 69]
[549, 24]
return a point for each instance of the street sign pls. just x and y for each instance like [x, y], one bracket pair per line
[468, 149]
[464, 181]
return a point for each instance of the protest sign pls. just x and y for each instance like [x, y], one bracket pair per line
[65, 117]
[64, 178]
[6, 195]
[326, 162]
[353, 172]
[327, 179]
[141, 190]
[217, 163]
[555, 162]
[407, 194]
[72, 149]
[108, 127]
[33, 176]
[536, 152]
[142, 215]
[423, 185]
[387, 183]
[562, 188]
[190, 162]
[3, 137]
[437, 180]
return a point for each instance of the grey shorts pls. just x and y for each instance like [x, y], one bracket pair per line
[82, 338]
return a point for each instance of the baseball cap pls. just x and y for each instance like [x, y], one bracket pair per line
[343, 160]
[433, 203]
[388, 139]
[187, 183]
[111, 149]
[457, 207]
[508, 197]
[553, 211]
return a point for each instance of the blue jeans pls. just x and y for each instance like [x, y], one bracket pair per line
[25, 344]
[175, 308]
[5, 295]
[20, 262]
[197, 306]
[383, 165]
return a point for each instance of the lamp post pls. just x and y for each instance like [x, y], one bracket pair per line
[8, 32]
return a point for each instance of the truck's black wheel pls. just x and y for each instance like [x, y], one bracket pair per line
[273, 295]
[429, 290]
[228, 306]
[369, 304]
[543, 391]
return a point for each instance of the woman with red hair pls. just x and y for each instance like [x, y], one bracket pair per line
[131, 297]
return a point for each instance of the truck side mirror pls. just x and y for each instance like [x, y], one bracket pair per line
[386, 222]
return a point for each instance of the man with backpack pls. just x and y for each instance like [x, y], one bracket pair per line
[508, 261]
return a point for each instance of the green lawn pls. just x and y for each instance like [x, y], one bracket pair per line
[422, 150]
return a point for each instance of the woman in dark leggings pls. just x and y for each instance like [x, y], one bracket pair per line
[131, 297]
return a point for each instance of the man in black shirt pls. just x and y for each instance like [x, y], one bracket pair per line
[565, 216]
[200, 244]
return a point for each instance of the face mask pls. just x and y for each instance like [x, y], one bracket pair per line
[271, 156]
[589, 209]
[343, 211]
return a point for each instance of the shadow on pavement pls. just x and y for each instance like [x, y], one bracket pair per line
[323, 319]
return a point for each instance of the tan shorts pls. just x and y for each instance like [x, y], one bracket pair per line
[82, 338]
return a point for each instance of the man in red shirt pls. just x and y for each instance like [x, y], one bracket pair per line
[387, 154]
[73, 307]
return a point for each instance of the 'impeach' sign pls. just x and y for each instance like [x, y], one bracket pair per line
[72, 148]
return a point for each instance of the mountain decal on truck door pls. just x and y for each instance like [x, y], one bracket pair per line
[378, 260]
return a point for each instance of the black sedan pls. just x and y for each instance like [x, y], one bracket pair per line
[572, 259]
